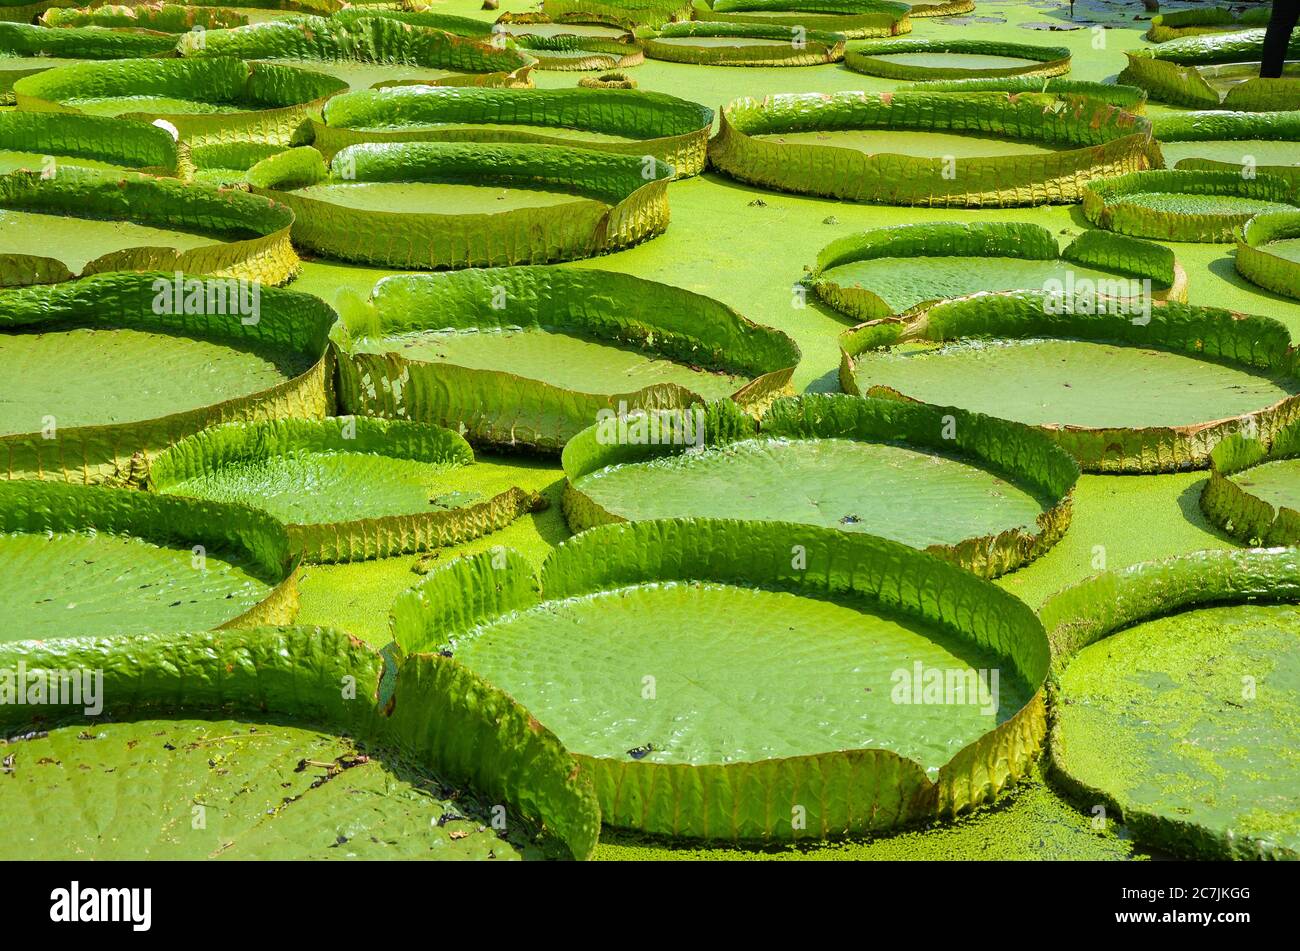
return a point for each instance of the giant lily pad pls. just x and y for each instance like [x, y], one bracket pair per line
[1249, 143]
[99, 221]
[215, 100]
[113, 369]
[1178, 688]
[742, 44]
[1124, 390]
[1183, 205]
[905, 269]
[95, 561]
[990, 498]
[487, 204]
[162, 17]
[569, 52]
[856, 19]
[624, 13]
[1268, 251]
[347, 488]
[357, 38]
[1030, 149]
[24, 39]
[281, 743]
[42, 141]
[955, 59]
[1254, 487]
[526, 357]
[1196, 21]
[752, 680]
[1129, 98]
[1206, 72]
[672, 130]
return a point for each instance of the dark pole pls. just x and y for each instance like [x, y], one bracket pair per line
[1278, 36]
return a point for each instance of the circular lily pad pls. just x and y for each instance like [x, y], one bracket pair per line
[1268, 251]
[42, 141]
[526, 357]
[1248, 143]
[1178, 701]
[629, 123]
[919, 148]
[213, 100]
[114, 370]
[906, 269]
[163, 17]
[1124, 390]
[566, 52]
[86, 560]
[990, 498]
[651, 646]
[955, 59]
[488, 204]
[1129, 98]
[743, 44]
[98, 221]
[615, 80]
[358, 36]
[1254, 488]
[1182, 205]
[26, 39]
[346, 488]
[276, 743]
[856, 19]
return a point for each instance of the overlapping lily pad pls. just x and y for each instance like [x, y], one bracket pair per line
[919, 148]
[1123, 389]
[1129, 98]
[856, 19]
[487, 204]
[116, 367]
[88, 560]
[345, 488]
[784, 662]
[282, 743]
[672, 130]
[1183, 205]
[1254, 487]
[940, 59]
[1178, 701]
[42, 141]
[208, 101]
[905, 269]
[99, 221]
[990, 498]
[743, 44]
[1206, 72]
[526, 357]
[572, 47]
[364, 38]
[1268, 252]
[1249, 143]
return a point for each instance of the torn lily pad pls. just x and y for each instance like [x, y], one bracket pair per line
[345, 488]
[789, 667]
[1124, 389]
[671, 130]
[262, 743]
[918, 148]
[1175, 701]
[904, 270]
[116, 367]
[432, 205]
[87, 560]
[986, 494]
[1205, 206]
[526, 357]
